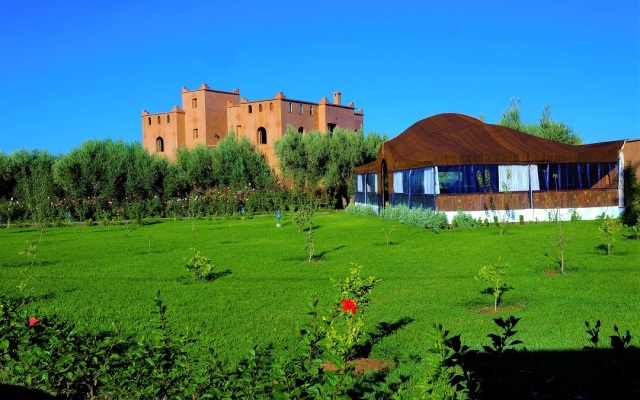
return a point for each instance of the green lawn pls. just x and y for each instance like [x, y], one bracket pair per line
[98, 277]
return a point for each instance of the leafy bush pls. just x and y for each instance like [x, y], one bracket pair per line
[463, 220]
[364, 210]
[199, 266]
[420, 217]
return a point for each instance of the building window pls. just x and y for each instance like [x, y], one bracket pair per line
[260, 107]
[159, 145]
[271, 106]
[310, 110]
[262, 135]
[194, 103]
[290, 107]
[158, 119]
[195, 133]
[250, 108]
[299, 108]
[168, 118]
[301, 130]
[331, 127]
[149, 120]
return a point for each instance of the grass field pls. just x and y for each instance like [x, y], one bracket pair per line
[100, 277]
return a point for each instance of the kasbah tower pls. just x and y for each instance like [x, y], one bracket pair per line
[209, 115]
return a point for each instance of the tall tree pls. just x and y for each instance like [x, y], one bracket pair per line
[546, 128]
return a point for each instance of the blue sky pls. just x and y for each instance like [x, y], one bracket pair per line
[77, 70]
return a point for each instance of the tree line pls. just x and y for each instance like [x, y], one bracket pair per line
[107, 177]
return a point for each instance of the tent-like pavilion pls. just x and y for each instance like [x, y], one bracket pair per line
[452, 162]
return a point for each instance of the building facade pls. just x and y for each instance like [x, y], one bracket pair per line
[209, 115]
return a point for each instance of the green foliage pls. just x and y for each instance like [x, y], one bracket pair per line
[200, 266]
[493, 275]
[364, 210]
[30, 252]
[422, 218]
[503, 343]
[446, 376]
[546, 128]
[329, 159]
[302, 216]
[463, 220]
[631, 214]
[607, 231]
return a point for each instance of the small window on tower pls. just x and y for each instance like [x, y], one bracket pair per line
[168, 118]
[194, 103]
[310, 110]
[158, 119]
[260, 107]
[250, 108]
[149, 121]
[195, 133]
[290, 107]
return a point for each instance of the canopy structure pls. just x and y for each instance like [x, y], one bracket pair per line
[456, 139]
[452, 162]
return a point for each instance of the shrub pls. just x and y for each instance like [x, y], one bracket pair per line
[199, 265]
[420, 217]
[463, 220]
[364, 210]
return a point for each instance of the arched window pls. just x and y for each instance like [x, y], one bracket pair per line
[262, 135]
[168, 118]
[260, 107]
[158, 119]
[250, 108]
[301, 130]
[271, 106]
[159, 145]
[149, 120]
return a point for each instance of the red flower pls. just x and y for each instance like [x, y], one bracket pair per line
[33, 321]
[349, 305]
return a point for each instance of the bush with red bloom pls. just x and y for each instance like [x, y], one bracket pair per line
[349, 305]
[33, 321]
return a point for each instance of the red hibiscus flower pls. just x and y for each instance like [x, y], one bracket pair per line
[349, 305]
[33, 321]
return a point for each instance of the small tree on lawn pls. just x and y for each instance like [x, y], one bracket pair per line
[199, 265]
[607, 230]
[493, 274]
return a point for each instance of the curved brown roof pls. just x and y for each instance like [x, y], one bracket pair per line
[456, 139]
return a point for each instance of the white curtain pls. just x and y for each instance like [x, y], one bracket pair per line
[437, 184]
[359, 183]
[519, 180]
[397, 182]
[429, 180]
[535, 180]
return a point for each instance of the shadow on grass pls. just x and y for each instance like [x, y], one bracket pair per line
[385, 244]
[320, 256]
[217, 275]
[383, 329]
[581, 374]
[189, 280]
